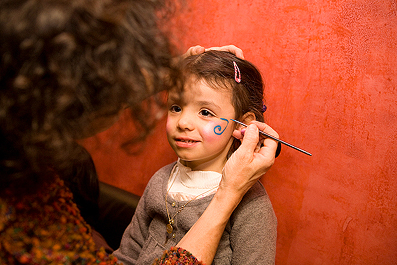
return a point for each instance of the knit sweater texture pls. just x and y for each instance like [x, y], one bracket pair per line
[249, 237]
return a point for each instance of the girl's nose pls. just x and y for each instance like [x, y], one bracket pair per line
[185, 123]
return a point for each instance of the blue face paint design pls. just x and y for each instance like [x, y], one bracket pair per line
[218, 129]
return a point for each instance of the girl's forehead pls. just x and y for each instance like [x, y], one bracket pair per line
[203, 90]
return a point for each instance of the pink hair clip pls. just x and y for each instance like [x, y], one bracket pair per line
[237, 74]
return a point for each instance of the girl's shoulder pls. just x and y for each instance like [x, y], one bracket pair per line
[255, 203]
[162, 173]
[257, 194]
[159, 179]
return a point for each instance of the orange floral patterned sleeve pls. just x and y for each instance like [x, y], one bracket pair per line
[177, 256]
[46, 228]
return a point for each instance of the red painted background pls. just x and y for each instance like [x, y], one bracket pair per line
[331, 72]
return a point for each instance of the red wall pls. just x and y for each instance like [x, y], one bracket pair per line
[331, 73]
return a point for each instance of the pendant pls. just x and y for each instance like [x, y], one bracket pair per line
[169, 228]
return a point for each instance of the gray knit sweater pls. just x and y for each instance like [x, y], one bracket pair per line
[249, 237]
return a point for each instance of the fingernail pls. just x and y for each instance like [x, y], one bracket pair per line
[243, 131]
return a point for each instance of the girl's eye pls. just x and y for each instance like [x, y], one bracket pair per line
[175, 108]
[206, 113]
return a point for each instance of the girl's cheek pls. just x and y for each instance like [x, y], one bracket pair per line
[168, 125]
[212, 131]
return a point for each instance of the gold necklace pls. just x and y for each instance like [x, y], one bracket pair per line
[171, 221]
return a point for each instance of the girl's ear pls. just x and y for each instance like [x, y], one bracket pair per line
[248, 117]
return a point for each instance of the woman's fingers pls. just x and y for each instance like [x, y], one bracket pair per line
[268, 144]
[194, 50]
[229, 48]
[250, 161]
[198, 49]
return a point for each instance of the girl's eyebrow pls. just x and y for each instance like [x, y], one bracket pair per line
[208, 103]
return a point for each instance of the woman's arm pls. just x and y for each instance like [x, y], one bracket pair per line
[241, 171]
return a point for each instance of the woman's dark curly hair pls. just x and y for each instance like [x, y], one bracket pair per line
[65, 63]
[216, 68]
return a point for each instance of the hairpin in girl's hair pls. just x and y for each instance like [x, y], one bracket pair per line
[237, 74]
[264, 108]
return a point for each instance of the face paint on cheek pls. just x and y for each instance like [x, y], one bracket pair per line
[218, 128]
[213, 130]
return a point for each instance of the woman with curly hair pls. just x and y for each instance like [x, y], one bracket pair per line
[68, 68]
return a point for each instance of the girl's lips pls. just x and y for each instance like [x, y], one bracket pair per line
[185, 142]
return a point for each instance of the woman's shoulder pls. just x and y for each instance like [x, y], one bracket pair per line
[46, 227]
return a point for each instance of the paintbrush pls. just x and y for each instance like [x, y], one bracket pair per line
[274, 138]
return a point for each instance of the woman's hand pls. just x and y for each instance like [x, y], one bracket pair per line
[250, 161]
[194, 50]
[229, 48]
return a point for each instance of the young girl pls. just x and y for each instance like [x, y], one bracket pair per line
[218, 87]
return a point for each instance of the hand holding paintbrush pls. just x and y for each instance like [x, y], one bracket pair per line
[276, 139]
